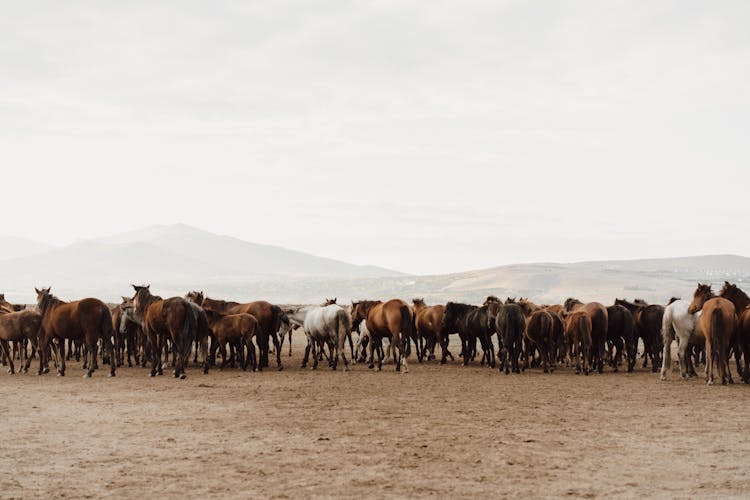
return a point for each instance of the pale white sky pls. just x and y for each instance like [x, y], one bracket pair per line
[422, 136]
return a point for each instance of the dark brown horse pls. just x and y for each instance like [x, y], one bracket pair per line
[18, 327]
[427, 320]
[164, 319]
[235, 329]
[538, 334]
[510, 325]
[392, 319]
[269, 316]
[648, 322]
[742, 307]
[87, 319]
[599, 323]
[718, 322]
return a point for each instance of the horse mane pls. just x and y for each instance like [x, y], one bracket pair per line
[491, 299]
[570, 302]
[673, 300]
[459, 308]
[731, 291]
[47, 302]
[640, 302]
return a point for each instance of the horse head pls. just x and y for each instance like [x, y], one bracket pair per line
[702, 294]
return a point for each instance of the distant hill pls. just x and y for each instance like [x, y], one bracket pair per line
[173, 258]
[654, 280]
[12, 247]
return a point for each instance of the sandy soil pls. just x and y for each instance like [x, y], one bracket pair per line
[435, 431]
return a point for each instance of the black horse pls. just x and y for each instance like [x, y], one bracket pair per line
[472, 324]
[509, 323]
[620, 335]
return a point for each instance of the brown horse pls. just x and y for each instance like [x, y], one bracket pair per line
[578, 328]
[392, 319]
[235, 329]
[87, 319]
[164, 319]
[427, 322]
[269, 316]
[538, 333]
[599, 322]
[648, 323]
[742, 307]
[718, 322]
[17, 327]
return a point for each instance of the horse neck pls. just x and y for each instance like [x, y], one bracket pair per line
[739, 299]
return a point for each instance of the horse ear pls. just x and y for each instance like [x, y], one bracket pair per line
[37, 290]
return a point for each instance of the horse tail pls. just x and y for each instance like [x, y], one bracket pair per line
[406, 324]
[717, 333]
[109, 338]
[667, 327]
[188, 331]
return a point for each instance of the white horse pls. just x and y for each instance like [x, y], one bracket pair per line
[324, 325]
[685, 328]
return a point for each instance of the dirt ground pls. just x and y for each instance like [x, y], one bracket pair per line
[439, 430]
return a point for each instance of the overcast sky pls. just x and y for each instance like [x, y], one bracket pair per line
[423, 136]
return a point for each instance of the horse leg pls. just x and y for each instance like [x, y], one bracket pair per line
[223, 352]
[667, 356]
[93, 351]
[402, 358]
[7, 352]
[61, 355]
[709, 363]
[314, 343]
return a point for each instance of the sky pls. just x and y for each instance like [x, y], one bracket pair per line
[427, 137]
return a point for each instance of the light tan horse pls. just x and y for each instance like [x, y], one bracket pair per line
[718, 322]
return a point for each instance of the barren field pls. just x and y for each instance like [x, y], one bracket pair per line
[439, 430]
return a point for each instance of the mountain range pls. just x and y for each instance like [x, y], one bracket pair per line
[177, 258]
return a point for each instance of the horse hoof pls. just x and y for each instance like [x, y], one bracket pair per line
[182, 376]
[279, 368]
[60, 374]
[87, 375]
[152, 374]
[111, 374]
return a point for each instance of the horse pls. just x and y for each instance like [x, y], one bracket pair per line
[538, 334]
[269, 316]
[681, 325]
[742, 307]
[235, 329]
[129, 332]
[718, 322]
[599, 323]
[620, 326]
[18, 327]
[164, 319]
[327, 325]
[392, 319]
[87, 319]
[510, 324]
[428, 320]
[648, 321]
[578, 331]
[471, 323]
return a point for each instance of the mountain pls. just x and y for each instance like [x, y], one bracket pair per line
[654, 280]
[174, 258]
[12, 247]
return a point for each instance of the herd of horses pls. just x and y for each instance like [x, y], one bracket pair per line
[146, 329]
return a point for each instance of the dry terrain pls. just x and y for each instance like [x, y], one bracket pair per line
[439, 430]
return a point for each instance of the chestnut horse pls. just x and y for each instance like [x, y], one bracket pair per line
[427, 321]
[742, 307]
[236, 329]
[270, 318]
[87, 319]
[392, 319]
[578, 328]
[164, 319]
[599, 322]
[18, 327]
[718, 322]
